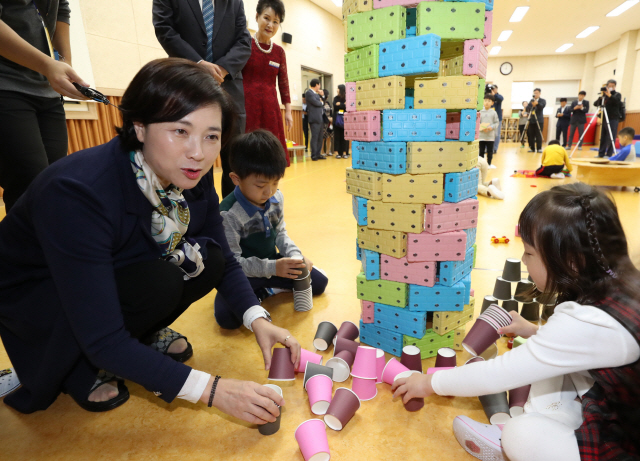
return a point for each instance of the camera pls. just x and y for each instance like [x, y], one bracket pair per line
[603, 89]
[488, 88]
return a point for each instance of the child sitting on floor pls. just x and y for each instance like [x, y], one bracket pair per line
[627, 152]
[491, 188]
[554, 160]
[583, 364]
[254, 223]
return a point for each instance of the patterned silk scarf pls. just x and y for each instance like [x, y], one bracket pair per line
[169, 219]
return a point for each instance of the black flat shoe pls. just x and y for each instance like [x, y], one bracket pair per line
[99, 407]
[161, 340]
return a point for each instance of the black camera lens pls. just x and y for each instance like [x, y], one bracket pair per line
[604, 88]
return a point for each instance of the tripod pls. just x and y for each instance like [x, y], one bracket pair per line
[606, 117]
[526, 126]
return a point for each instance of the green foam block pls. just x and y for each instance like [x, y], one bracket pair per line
[382, 291]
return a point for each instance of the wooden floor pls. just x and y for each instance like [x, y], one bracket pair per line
[319, 219]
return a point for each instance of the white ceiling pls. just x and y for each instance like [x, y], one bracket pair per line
[550, 24]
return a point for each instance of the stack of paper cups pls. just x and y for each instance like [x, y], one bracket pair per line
[302, 296]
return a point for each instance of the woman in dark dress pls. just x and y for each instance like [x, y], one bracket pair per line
[340, 145]
[327, 134]
[110, 245]
[267, 63]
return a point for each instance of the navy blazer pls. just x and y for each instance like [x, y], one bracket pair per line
[566, 115]
[81, 218]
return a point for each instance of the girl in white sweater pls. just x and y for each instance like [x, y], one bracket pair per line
[583, 364]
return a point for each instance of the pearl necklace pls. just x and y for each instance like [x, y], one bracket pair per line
[255, 38]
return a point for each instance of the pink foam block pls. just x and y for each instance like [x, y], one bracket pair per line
[351, 96]
[401, 270]
[488, 24]
[367, 314]
[362, 126]
[475, 58]
[478, 126]
[448, 246]
[447, 217]
[405, 3]
[453, 125]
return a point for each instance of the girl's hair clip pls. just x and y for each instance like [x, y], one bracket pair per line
[612, 274]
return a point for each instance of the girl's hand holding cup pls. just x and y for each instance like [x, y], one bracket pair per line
[415, 386]
[519, 327]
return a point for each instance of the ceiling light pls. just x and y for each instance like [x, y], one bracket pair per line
[504, 36]
[495, 50]
[337, 3]
[519, 13]
[588, 31]
[564, 47]
[622, 8]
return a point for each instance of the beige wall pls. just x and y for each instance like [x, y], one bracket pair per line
[121, 39]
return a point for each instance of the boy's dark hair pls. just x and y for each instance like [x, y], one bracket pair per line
[166, 90]
[489, 96]
[276, 5]
[258, 152]
[563, 99]
[553, 142]
[576, 230]
[537, 89]
[304, 96]
[583, 93]
[627, 131]
[314, 82]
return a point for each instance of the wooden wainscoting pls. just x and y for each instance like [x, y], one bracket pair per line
[632, 120]
[295, 134]
[83, 134]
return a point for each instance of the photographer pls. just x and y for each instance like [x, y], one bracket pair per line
[536, 121]
[611, 101]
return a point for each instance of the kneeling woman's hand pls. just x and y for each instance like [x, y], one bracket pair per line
[415, 386]
[267, 335]
[245, 400]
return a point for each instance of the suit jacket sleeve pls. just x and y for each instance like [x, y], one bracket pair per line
[235, 60]
[585, 104]
[313, 99]
[168, 36]
[83, 273]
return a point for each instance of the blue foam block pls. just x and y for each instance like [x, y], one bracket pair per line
[400, 320]
[461, 186]
[471, 236]
[384, 157]
[468, 125]
[386, 340]
[408, 102]
[452, 272]
[358, 251]
[467, 289]
[418, 125]
[371, 265]
[436, 298]
[410, 56]
[359, 206]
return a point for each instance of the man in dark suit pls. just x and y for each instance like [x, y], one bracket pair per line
[563, 115]
[610, 101]
[212, 33]
[579, 109]
[536, 121]
[315, 109]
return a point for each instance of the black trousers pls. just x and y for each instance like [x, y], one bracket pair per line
[562, 130]
[305, 130]
[572, 132]
[549, 170]
[33, 135]
[520, 134]
[535, 134]
[316, 139]
[340, 144]
[606, 143]
[153, 294]
[488, 146]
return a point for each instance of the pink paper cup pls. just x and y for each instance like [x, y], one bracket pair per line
[308, 356]
[365, 389]
[343, 344]
[281, 367]
[411, 359]
[343, 407]
[517, 398]
[341, 364]
[319, 388]
[312, 440]
[391, 370]
[364, 366]
[446, 358]
[413, 404]
[380, 364]
[480, 337]
[348, 330]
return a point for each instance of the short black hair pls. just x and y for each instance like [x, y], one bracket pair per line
[314, 82]
[276, 5]
[538, 89]
[563, 99]
[627, 131]
[612, 81]
[489, 96]
[166, 90]
[553, 142]
[583, 93]
[304, 95]
[259, 152]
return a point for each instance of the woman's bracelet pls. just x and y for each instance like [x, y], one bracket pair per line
[213, 390]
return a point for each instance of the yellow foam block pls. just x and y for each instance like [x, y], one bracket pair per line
[460, 92]
[346, 41]
[451, 67]
[451, 49]
[382, 93]
[410, 188]
[363, 183]
[390, 243]
[355, 6]
[459, 335]
[406, 217]
[444, 322]
[441, 157]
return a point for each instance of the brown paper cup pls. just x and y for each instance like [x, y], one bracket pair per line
[446, 358]
[512, 270]
[281, 367]
[502, 289]
[343, 344]
[480, 337]
[348, 330]
[531, 311]
[313, 369]
[411, 358]
[343, 407]
[510, 305]
[488, 301]
[524, 290]
[324, 335]
[496, 407]
[271, 428]
[517, 398]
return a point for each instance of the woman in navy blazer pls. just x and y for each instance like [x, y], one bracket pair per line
[84, 283]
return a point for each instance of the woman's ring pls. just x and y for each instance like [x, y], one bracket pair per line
[285, 339]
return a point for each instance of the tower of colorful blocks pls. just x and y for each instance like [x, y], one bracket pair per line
[415, 76]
